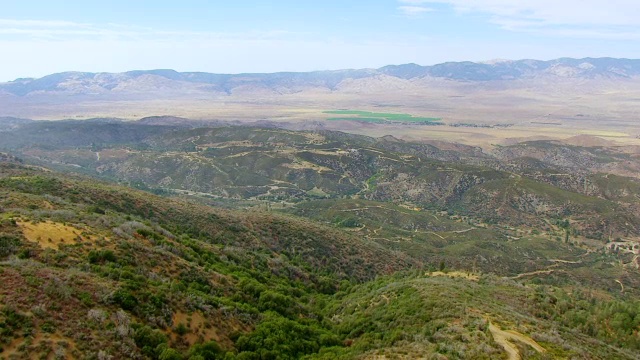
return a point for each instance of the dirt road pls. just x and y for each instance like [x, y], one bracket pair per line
[505, 337]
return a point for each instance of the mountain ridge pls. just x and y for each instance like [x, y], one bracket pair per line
[466, 71]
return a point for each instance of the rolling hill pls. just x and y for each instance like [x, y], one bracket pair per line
[285, 167]
[94, 270]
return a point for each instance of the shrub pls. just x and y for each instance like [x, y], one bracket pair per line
[48, 327]
[170, 354]
[85, 299]
[148, 234]
[350, 223]
[281, 338]
[271, 300]
[97, 210]
[181, 329]
[8, 245]
[125, 299]
[149, 340]
[207, 351]
[13, 322]
[101, 256]
[24, 254]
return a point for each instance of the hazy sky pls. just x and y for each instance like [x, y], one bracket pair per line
[48, 36]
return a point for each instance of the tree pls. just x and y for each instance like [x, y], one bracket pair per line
[170, 354]
[207, 351]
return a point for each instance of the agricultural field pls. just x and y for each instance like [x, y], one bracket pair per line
[380, 118]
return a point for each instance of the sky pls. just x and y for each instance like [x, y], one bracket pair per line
[38, 38]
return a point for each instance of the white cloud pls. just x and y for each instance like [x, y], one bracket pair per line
[20, 30]
[414, 2]
[38, 23]
[576, 18]
[413, 11]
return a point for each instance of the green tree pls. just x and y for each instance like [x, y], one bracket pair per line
[207, 351]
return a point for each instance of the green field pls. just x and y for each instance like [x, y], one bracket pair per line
[362, 119]
[378, 118]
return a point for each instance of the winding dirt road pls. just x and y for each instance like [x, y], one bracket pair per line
[505, 337]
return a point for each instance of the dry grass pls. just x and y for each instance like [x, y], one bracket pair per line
[50, 235]
[200, 329]
[605, 133]
[456, 274]
[203, 329]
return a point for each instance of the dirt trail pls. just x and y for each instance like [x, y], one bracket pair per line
[385, 298]
[566, 261]
[463, 231]
[539, 272]
[505, 339]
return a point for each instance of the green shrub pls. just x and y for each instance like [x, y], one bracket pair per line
[181, 329]
[170, 354]
[148, 234]
[13, 322]
[271, 300]
[207, 351]
[8, 245]
[125, 299]
[350, 223]
[48, 327]
[97, 210]
[101, 256]
[148, 340]
[277, 337]
[24, 254]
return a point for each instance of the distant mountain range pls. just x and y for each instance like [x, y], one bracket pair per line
[170, 81]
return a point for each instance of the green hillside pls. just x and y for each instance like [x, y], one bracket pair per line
[129, 240]
[285, 167]
[92, 270]
[155, 271]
